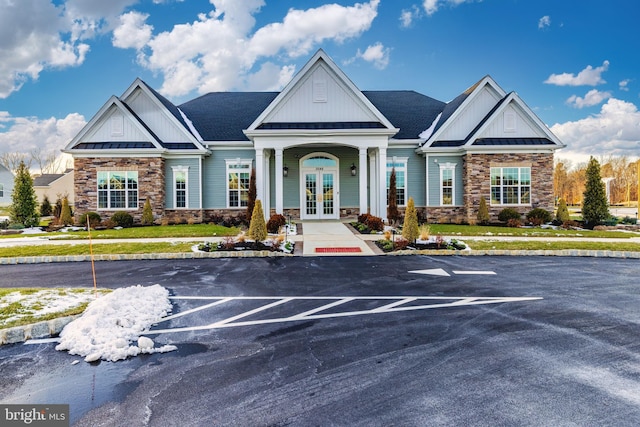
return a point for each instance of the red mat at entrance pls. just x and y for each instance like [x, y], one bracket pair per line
[338, 250]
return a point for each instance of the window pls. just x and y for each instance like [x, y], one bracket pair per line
[238, 174]
[447, 183]
[1, 190]
[511, 186]
[400, 165]
[180, 178]
[118, 190]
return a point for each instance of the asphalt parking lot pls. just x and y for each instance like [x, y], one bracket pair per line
[356, 341]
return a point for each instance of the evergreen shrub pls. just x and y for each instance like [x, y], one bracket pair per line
[509, 213]
[122, 219]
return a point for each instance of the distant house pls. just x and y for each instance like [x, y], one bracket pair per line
[6, 186]
[322, 149]
[54, 186]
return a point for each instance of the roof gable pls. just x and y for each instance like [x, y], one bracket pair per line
[320, 92]
[115, 122]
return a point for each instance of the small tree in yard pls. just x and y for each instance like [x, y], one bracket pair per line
[23, 198]
[45, 208]
[392, 209]
[562, 215]
[257, 227]
[483, 212]
[251, 196]
[410, 229]
[595, 208]
[147, 213]
[65, 213]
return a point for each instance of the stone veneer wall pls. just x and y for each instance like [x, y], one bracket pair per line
[477, 176]
[150, 183]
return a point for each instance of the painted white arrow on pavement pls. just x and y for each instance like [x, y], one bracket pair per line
[432, 272]
[441, 272]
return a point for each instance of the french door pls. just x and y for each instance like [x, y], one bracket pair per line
[320, 201]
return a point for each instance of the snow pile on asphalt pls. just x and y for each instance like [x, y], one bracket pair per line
[111, 326]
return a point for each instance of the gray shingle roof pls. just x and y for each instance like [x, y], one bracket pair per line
[46, 179]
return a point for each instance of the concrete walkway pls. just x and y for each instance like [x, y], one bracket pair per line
[331, 238]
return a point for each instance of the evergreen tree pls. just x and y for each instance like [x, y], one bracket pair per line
[595, 208]
[45, 208]
[562, 215]
[23, 198]
[410, 229]
[483, 212]
[147, 213]
[257, 227]
[251, 197]
[65, 213]
[392, 210]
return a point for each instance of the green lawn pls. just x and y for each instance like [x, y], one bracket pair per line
[183, 230]
[479, 230]
[538, 245]
[83, 249]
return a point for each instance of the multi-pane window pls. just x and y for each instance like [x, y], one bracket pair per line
[400, 166]
[511, 186]
[118, 190]
[238, 175]
[180, 186]
[447, 183]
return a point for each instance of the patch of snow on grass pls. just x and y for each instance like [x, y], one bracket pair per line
[111, 326]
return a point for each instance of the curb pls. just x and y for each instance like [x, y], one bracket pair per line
[44, 329]
[269, 254]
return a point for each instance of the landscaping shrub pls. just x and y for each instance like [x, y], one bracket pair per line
[562, 215]
[94, 219]
[147, 213]
[362, 219]
[275, 222]
[628, 220]
[122, 219]
[375, 223]
[508, 213]
[483, 212]
[4, 224]
[45, 208]
[257, 227]
[538, 216]
[66, 216]
[410, 227]
[514, 223]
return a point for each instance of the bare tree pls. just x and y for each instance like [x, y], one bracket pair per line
[12, 161]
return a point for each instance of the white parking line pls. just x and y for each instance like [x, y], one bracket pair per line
[398, 304]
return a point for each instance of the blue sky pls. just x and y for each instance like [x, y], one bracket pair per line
[575, 63]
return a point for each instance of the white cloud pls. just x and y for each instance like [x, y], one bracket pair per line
[615, 130]
[588, 77]
[624, 85]
[544, 22]
[377, 54]
[189, 60]
[593, 97]
[432, 6]
[24, 134]
[132, 32]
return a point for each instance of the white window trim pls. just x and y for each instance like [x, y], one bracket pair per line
[126, 192]
[403, 162]
[452, 168]
[185, 170]
[248, 163]
[519, 186]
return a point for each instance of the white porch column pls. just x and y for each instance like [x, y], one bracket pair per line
[382, 180]
[266, 203]
[260, 184]
[373, 188]
[279, 182]
[362, 167]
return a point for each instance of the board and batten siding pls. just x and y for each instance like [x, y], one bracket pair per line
[193, 182]
[415, 173]
[214, 179]
[433, 179]
[115, 126]
[477, 110]
[156, 119]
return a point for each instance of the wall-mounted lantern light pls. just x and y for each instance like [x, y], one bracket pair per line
[285, 171]
[354, 169]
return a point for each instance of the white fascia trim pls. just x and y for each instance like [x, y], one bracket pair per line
[321, 132]
[506, 149]
[115, 153]
[228, 145]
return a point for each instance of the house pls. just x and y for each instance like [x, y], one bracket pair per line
[6, 186]
[322, 149]
[54, 186]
